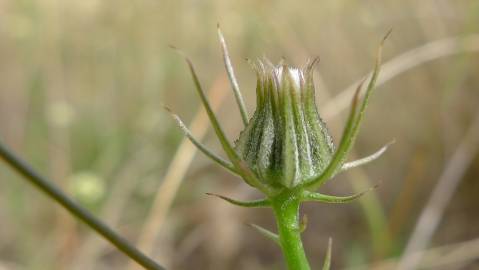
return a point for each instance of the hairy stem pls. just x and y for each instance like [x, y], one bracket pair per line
[286, 210]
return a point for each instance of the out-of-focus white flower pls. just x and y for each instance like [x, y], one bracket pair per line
[87, 186]
[60, 114]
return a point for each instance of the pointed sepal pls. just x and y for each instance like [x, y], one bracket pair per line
[366, 160]
[352, 126]
[318, 197]
[225, 164]
[345, 144]
[262, 203]
[232, 78]
[245, 172]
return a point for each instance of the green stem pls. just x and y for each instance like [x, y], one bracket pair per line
[286, 210]
[81, 213]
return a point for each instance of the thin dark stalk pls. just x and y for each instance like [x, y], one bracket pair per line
[55, 193]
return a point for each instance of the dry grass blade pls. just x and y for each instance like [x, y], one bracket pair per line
[327, 259]
[448, 181]
[449, 256]
[404, 62]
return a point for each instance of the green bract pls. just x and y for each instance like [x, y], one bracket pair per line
[285, 142]
[285, 150]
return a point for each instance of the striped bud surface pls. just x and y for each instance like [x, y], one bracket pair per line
[285, 142]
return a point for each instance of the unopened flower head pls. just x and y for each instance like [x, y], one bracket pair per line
[285, 142]
[284, 146]
[285, 150]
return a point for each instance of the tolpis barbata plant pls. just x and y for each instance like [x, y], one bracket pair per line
[285, 150]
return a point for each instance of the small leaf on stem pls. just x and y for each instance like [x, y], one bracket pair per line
[266, 233]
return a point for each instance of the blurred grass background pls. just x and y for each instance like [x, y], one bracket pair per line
[82, 84]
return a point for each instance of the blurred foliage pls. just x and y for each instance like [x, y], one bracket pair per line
[82, 85]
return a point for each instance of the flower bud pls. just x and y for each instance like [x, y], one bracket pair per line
[285, 143]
